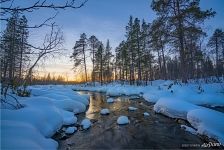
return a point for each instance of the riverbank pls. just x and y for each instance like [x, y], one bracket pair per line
[41, 116]
[184, 101]
[152, 131]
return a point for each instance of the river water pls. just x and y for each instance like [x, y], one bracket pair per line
[156, 131]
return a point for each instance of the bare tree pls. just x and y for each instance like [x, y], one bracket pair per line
[53, 44]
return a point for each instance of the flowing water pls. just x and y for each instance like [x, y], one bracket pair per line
[154, 131]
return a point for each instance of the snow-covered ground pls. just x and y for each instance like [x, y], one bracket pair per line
[32, 126]
[184, 101]
[50, 107]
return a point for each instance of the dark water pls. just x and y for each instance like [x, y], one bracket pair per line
[153, 132]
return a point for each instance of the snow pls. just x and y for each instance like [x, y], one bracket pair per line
[177, 100]
[146, 114]
[174, 108]
[189, 129]
[132, 108]
[68, 117]
[105, 111]
[110, 100]
[70, 130]
[122, 120]
[51, 106]
[21, 135]
[86, 123]
[44, 113]
[208, 122]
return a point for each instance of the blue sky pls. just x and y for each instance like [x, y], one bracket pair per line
[106, 19]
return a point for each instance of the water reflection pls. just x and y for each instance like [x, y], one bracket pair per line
[155, 131]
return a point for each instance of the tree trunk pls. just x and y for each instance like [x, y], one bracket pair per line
[84, 58]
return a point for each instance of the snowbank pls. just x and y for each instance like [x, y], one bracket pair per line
[21, 135]
[208, 122]
[174, 108]
[48, 108]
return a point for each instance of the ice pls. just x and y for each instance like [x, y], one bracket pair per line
[86, 123]
[70, 130]
[132, 108]
[110, 100]
[105, 111]
[122, 120]
[146, 114]
[189, 129]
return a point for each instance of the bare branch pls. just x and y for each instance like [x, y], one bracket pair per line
[39, 5]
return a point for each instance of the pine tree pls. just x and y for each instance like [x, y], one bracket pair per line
[94, 45]
[79, 53]
[13, 50]
[181, 15]
[107, 57]
[216, 43]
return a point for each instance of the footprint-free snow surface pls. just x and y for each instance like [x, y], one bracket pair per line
[155, 131]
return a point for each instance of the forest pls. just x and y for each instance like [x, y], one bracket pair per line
[158, 84]
[173, 46]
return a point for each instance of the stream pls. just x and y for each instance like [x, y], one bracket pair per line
[155, 131]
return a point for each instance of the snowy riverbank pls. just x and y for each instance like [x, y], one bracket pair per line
[52, 106]
[32, 126]
[185, 101]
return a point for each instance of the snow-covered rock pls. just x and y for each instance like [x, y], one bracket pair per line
[110, 100]
[132, 108]
[105, 111]
[146, 114]
[86, 123]
[70, 130]
[123, 120]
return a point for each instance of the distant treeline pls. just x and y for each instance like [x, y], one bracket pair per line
[173, 46]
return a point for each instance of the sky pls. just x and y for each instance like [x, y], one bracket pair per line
[106, 19]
